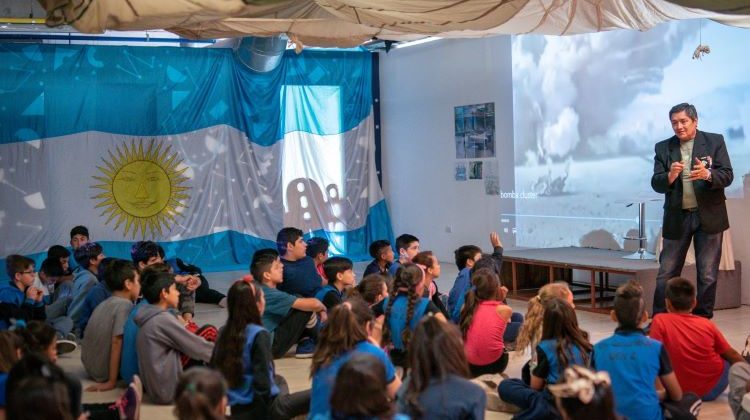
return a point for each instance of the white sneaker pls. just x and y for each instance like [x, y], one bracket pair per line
[66, 346]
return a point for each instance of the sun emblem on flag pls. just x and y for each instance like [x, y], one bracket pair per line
[143, 188]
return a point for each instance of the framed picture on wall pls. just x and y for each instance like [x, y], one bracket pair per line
[460, 173]
[475, 131]
[475, 169]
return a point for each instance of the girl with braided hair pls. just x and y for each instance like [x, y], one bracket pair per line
[404, 309]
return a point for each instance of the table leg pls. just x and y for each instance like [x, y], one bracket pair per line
[593, 289]
[551, 274]
[514, 276]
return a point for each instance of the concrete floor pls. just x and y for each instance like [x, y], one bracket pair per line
[734, 323]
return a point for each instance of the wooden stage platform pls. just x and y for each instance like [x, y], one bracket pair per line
[594, 274]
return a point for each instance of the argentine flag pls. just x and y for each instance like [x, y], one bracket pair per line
[186, 147]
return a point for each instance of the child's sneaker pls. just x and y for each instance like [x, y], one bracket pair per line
[66, 346]
[128, 405]
[305, 349]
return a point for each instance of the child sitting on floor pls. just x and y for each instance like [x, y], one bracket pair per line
[382, 258]
[301, 277]
[562, 344]
[88, 256]
[403, 311]
[243, 356]
[484, 319]
[530, 333]
[201, 394]
[162, 339]
[339, 274]
[10, 352]
[346, 334]
[700, 355]
[317, 249]
[366, 374]
[584, 395]
[431, 267]
[407, 246]
[372, 289]
[636, 362]
[102, 341]
[437, 386]
[289, 319]
[465, 257]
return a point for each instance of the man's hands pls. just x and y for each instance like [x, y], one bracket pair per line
[699, 171]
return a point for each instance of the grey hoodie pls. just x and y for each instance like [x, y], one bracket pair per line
[161, 339]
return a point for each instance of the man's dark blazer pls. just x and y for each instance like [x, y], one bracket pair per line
[711, 150]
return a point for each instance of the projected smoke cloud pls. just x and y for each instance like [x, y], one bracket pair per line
[588, 110]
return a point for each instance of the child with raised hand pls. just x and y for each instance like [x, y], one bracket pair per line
[584, 395]
[339, 274]
[466, 256]
[366, 374]
[530, 333]
[562, 344]
[162, 339]
[382, 258]
[201, 394]
[288, 318]
[700, 354]
[431, 266]
[404, 309]
[347, 333]
[102, 341]
[437, 387]
[243, 356]
[484, 319]
[636, 363]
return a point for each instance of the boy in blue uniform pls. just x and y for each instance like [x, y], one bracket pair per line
[635, 361]
[340, 275]
[301, 278]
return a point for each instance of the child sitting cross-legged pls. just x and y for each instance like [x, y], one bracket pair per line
[429, 262]
[243, 356]
[466, 256]
[346, 334]
[584, 395]
[365, 373]
[317, 249]
[636, 363]
[102, 342]
[484, 319]
[201, 394]
[701, 356]
[289, 319]
[372, 289]
[162, 338]
[339, 274]
[562, 344]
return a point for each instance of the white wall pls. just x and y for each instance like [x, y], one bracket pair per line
[419, 88]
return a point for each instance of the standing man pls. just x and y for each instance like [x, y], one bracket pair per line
[691, 169]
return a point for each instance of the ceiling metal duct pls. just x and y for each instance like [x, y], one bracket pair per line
[260, 54]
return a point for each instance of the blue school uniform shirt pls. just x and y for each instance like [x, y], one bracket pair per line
[460, 287]
[3, 382]
[324, 379]
[331, 302]
[301, 277]
[633, 361]
[397, 317]
[129, 356]
[548, 366]
[394, 267]
[246, 394]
